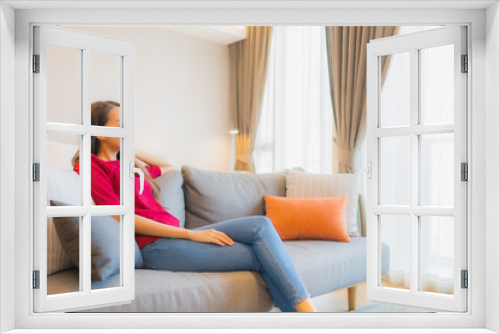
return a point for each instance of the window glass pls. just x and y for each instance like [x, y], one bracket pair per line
[106, 79]
[395, 245]
[395, 94]
[63, 251]
[436, 254]
[395, 170]
[62, 150]
[437, 169]
[105, 250]
[437, 85]
[64, 90]
[105, 170]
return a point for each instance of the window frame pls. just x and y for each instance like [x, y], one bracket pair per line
[86, 44]
[474, 19]
[413, 44]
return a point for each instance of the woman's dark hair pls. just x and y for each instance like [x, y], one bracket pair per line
[100, 116]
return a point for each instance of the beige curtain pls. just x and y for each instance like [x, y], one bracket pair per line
[346, 48]
[249, 62]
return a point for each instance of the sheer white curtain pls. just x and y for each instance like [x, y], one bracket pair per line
[295, 128]
[436, 151]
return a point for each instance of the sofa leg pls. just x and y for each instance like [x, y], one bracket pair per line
[351, 297]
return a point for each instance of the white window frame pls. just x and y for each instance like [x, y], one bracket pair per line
[86, 43]
[483, 212]
[413, 44]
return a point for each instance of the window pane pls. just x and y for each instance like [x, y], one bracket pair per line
[64, 87]
[105, 171]
[395, 94]
[106, 246]
[106, 80]
[395, 238]
[395, 170]
[63, 183]
[437, 83]
[63, 252]
[437, 170]
[437, 254]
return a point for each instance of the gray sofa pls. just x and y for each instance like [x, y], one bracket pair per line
[197, 198]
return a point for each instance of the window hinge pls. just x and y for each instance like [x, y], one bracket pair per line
[464, 171]
[36, 172]
[465, 64]
[36, 63]
[465, 279]
[36, 279]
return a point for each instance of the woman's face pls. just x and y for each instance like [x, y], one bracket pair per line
[113, 143]
[114, 117]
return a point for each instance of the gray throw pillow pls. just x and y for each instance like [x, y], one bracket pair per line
[105, 241]
[171, 194]
[212, 196]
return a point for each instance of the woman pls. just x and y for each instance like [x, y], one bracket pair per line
[249, 243]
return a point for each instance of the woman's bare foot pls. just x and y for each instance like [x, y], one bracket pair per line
[305, 306]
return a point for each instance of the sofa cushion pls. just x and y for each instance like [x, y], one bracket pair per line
[166, 291]
[308, 218]
[171, 194]
[212, 196]
[327, 266]
[324, 266]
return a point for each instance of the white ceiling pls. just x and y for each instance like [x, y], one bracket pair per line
[268, 4]
[218, 34]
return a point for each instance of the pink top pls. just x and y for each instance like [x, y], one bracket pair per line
[105, 183]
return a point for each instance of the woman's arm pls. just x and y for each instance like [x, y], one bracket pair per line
[153, 160]
[149, 227]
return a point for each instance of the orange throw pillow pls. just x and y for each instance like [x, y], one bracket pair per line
[308, 218]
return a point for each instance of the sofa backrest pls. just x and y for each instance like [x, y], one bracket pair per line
[212, 196]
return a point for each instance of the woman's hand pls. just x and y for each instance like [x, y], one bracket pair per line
[149, 227]
[210, 236]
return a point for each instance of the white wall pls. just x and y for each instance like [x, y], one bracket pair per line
[7, 167]
[492, 161]
[181, 94]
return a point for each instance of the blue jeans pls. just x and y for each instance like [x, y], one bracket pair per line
[257, 247]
